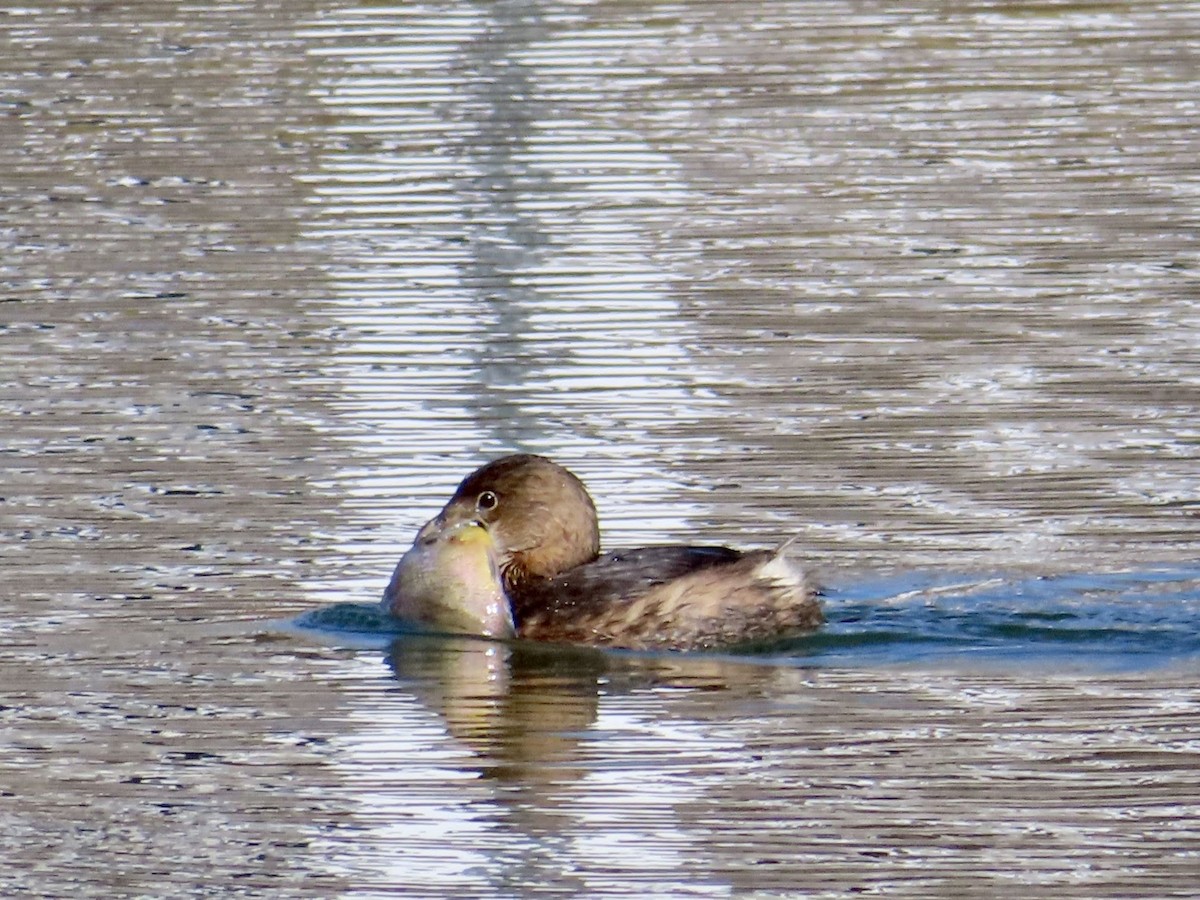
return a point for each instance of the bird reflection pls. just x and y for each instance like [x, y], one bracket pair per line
[519, 707]
[523, 707]
[527, 713]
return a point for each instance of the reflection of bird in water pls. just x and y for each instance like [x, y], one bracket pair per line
[555, 732]
[522, 706]
[543, 535]
[519, 706]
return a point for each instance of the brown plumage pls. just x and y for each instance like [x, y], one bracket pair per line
[546, 543]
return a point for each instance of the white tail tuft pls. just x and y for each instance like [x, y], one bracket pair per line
[782, 569]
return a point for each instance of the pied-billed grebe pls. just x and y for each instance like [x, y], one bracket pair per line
[545, 542]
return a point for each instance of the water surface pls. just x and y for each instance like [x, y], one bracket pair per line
[915, 282]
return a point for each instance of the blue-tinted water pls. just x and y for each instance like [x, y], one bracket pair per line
[1110, 622]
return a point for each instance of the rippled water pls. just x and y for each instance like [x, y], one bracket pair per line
[914, 281]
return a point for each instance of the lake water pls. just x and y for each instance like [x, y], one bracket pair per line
[915, 282]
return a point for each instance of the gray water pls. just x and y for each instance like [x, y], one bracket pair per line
[915, 282]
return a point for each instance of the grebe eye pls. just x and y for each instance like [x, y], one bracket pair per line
[487, 500]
